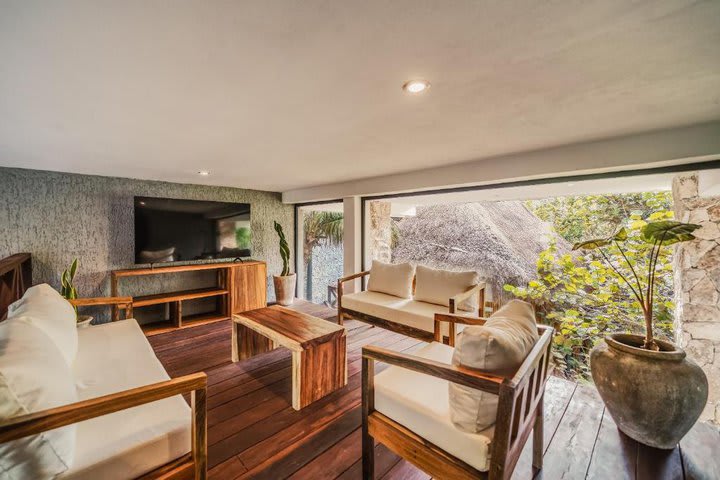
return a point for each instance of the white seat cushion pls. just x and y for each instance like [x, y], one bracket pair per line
[34, 377]
[45, 308]
[393, 279]
[499, 347]
[420, 403]
[437, 286]
[408, 312]
[126, 444]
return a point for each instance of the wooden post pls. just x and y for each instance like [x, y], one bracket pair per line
[199, 432]
[368, 406]
[339, 302]
[538, 443]
[114, 293]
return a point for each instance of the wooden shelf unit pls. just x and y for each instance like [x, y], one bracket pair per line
[241, 286]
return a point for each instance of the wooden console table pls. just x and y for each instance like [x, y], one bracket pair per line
[240, 286]
[319, 351]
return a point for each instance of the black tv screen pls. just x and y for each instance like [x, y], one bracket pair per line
[173, 230]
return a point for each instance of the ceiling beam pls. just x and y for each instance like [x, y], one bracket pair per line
[661, 148]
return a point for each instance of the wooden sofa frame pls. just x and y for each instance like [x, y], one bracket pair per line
[190, 465]
[520, 410]
[343, 312]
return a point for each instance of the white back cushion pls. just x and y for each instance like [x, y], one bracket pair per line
[393, 279]
[498, 347]
[49, 311]
[437, 286]
[34, 377]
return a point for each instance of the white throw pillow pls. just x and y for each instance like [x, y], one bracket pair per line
[437, 286]
[498, 347]
[34, 377]
[50, 312]
[393, 279]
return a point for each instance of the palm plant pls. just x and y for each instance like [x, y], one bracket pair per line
[319, 228]
[657, 235]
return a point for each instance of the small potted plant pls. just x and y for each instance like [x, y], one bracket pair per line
[285, 282]
[653, 392]
[69, 292]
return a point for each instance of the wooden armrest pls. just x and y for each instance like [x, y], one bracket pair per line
[126, 303]
[353, 276]
[34, 423]
[452, 319]
[84, 302]
[543, 344]
[455, 300]
[459, 318]
[456, 374]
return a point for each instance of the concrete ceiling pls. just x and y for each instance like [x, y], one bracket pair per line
[282, 95]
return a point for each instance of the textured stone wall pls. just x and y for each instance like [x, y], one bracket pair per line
[58, 216]
[327, 267]
[380, 231]
[697, 284]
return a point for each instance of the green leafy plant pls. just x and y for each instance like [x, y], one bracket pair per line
[284, 250]
[243, 237]
[578, 293]
[656, 235]
[67, 289]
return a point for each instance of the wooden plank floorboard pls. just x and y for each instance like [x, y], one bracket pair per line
[700, 450]
[570, 451]
[615, 455]
[254, 433]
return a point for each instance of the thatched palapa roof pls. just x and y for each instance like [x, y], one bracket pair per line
[501, 240]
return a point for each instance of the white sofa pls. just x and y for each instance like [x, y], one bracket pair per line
[91, 362]
[405, 299]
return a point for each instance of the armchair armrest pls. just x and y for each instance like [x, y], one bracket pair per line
[126, 303]
[478, 290]
[195, 384]
[341, 290]
[456, 374]
[352, 277]
[452, 319]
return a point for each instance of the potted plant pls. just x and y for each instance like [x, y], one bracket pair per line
[653, 392]
[285, 282]
[69, 292]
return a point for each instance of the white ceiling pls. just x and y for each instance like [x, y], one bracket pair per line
[281, 95]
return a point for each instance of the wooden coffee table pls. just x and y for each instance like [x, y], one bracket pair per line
[319, 364]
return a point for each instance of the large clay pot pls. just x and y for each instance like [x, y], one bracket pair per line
[654, 397]
[284, 288]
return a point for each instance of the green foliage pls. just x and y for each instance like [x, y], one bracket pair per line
[243, 237]
[580, 294]
[284, 250]
[577, 218]
[67, 289]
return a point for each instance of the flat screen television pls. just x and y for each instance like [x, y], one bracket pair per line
[174, 230]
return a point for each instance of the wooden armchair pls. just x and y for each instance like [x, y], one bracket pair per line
[192, 465]
[117, 303]
[520, 410]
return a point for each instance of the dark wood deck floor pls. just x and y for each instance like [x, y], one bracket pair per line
[255, 433]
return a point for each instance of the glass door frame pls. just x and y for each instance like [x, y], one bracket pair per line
[300, 282]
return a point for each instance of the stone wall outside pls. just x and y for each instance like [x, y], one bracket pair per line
[327, 267]
[697, 284]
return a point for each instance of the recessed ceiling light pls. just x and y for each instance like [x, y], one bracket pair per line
[142, 203]
[416, 86]
[203, 173]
